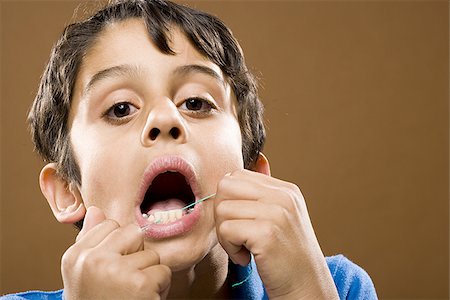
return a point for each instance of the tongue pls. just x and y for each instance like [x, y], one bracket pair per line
[168, 204]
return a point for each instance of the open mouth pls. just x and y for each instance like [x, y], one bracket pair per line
[166, 197]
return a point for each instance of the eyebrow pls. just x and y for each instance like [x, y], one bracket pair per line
[116, 71]
[131, 71]
[192, 69]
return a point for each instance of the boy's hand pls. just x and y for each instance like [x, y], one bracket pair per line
[109, 262]
[268, 217]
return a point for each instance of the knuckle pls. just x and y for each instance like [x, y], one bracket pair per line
[139, 283]
[237, 173]
[154, 296]
[223, 184]
[223, 227]
[293, 188]
[269, 230]
[121, 231]
[112, 269]
[221, 209]
[111, 223]
[286, 217]
[153, 255]
[89, 259]
[143, 283]
[68, 258]
[265, 229]
[164, 279]
[281, 213]
[167, 271]
[293, 197]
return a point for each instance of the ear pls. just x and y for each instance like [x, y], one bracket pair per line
[262, 165]
[64, 198]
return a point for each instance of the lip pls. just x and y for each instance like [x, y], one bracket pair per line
[188, 221]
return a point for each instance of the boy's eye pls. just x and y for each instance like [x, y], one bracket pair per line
[198, 105]
[121, 110]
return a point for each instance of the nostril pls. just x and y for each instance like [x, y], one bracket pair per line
[175, 132]
[154, 133]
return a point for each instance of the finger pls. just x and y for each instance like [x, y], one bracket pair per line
[233, 236]
[247, 185]
[252, 210]
[93, 217]
[165, 292]
[258, 178]
[239, 209]
[231, 188]
[97, 234]
[124, 240]
[249, 175]
[142, 259]
[161, 277]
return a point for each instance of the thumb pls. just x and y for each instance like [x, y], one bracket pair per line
[93, 217]
[241, 257]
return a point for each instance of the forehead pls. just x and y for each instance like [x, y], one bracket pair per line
[127, 43]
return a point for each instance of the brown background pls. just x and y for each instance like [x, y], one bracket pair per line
[356, 95]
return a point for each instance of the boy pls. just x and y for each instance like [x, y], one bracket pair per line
[145, 108]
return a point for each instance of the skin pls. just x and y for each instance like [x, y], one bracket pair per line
[251, 213]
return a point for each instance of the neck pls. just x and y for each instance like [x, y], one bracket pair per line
[206, 280]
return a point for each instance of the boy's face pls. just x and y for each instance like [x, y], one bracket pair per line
[130, 120]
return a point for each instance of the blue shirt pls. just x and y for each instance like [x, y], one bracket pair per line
[351, 281]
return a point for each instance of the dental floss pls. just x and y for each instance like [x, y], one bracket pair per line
[196, 202]
[250, 271]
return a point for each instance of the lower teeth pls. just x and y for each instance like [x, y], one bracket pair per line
[164, 217]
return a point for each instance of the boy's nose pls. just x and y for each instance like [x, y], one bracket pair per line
[164, 123]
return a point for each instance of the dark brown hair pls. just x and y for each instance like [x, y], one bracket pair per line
[48, 117]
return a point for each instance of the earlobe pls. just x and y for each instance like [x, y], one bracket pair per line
[64, 198]
[262, 165]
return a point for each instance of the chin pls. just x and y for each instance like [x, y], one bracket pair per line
[180, 254]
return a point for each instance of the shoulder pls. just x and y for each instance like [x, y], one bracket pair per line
[34, 295]
[351, 281]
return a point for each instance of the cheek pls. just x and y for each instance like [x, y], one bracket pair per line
[101, 161]
[222, 146]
